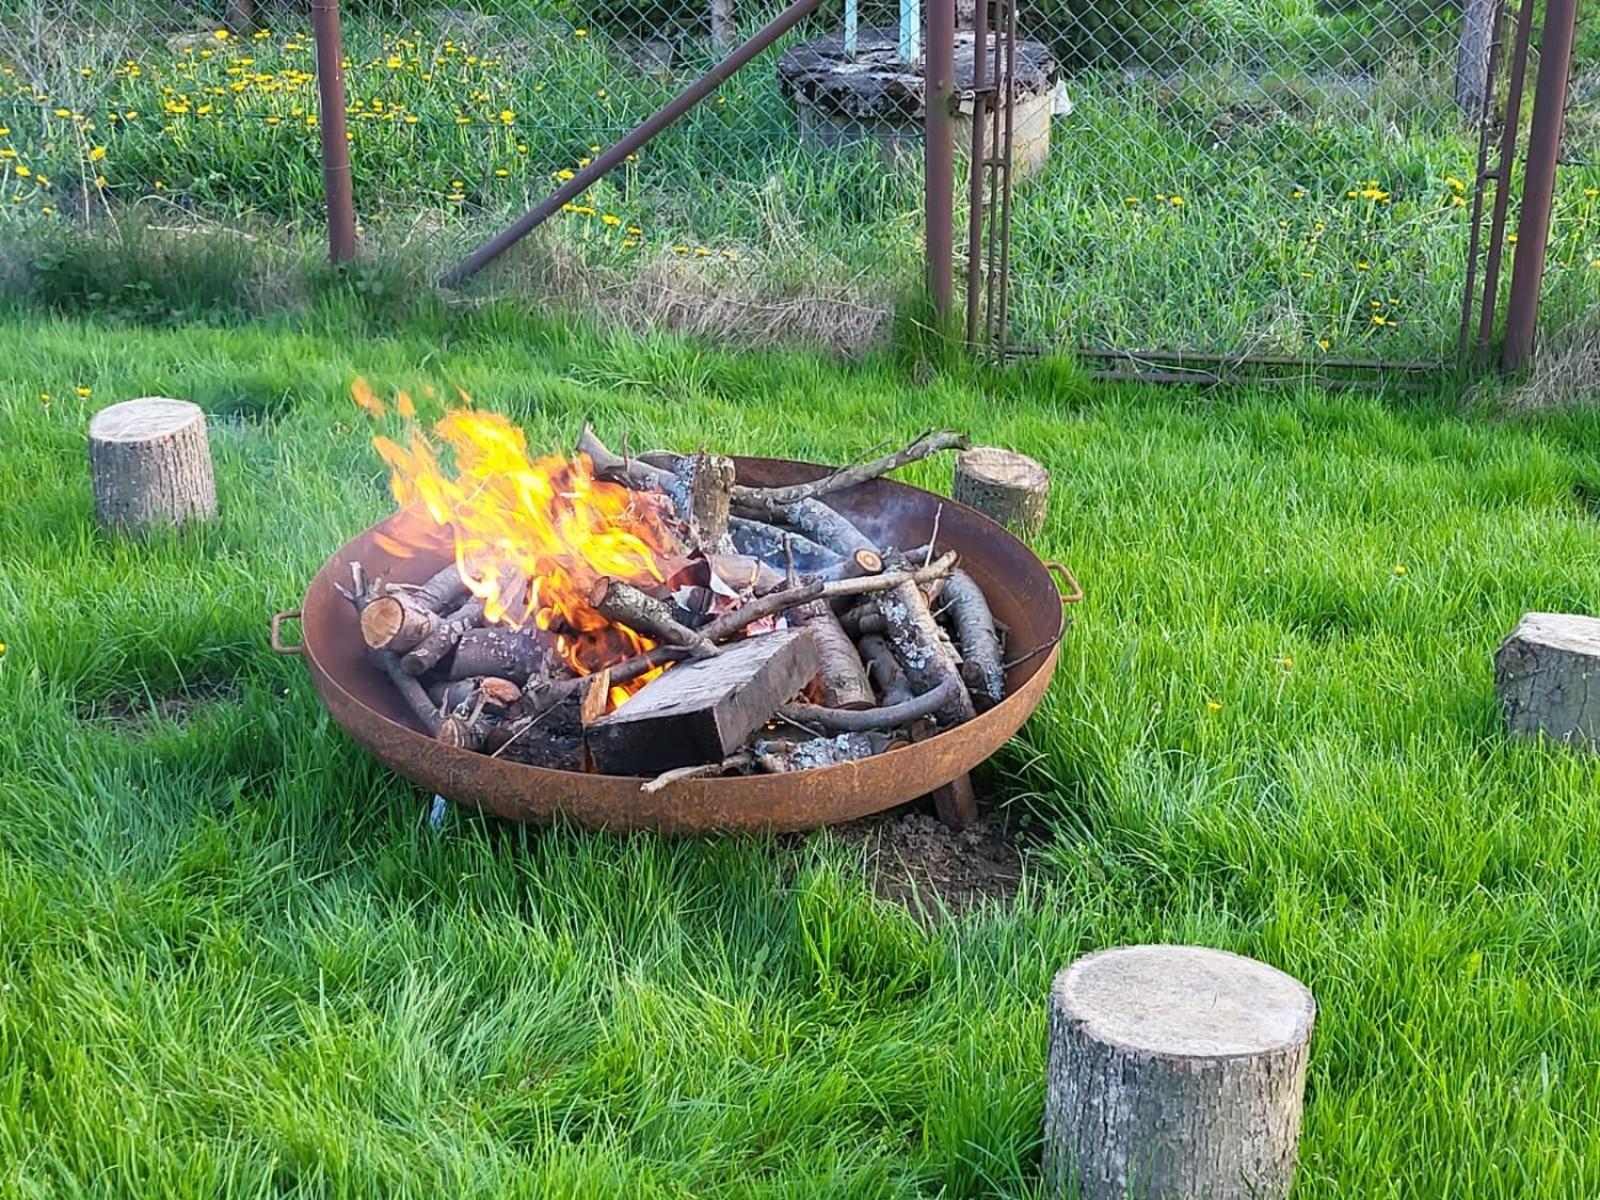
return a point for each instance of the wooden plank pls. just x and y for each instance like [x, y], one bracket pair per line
[703, 711]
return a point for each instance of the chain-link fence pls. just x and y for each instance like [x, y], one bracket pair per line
[1285, 176]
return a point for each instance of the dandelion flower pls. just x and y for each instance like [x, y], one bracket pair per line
[1214, 705]
[1287, 662]
[23, 173]
[1452, 182]
[507, 116]
[610, 219]
[563, 175]
[634, 231]
[580, 33]
[97, 154]
[44, 397]
[1176, 202]
[1324, 344]
[601, 94]
[84, 392]
[1297, 194]
[222, 35]
[680, 249]
[1130, 201]
[702, 252]
[1591, 193]
[501, 173]
[1362, 266]
[63, 112]
[1399, 568]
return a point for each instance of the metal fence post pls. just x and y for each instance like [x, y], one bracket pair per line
[939, 152]
[1539, 181]
[335, 141]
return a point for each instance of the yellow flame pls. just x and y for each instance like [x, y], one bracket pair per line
[531, 535]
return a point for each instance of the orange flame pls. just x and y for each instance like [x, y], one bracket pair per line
[532, 536]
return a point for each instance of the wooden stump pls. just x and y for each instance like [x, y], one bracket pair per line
[1543, 674]
[1004, 486]
[1176, 1072]
[151, 464]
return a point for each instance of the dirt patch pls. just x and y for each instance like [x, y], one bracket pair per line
[915, 860]
[137, 712]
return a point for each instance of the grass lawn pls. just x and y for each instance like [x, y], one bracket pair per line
[235, 960]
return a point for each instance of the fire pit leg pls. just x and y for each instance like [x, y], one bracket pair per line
[956, 803]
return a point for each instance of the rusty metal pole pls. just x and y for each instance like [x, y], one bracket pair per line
[939, 71]
[1504, 167]
[976, 170]
[1539, 181]
[642, 133]
[335, 142]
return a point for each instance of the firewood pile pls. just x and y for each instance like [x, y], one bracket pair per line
[785, 637]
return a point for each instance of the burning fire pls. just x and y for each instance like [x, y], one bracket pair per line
[531, 535]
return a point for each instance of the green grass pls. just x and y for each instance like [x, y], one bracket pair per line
[1322, 181]
[235, 960]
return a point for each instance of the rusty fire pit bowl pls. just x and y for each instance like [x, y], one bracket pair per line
[1018, 585]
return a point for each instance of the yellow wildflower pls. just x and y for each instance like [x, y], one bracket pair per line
[1176, 202]
[610, 219]
[97, 154]
[635, 231]
[1399, 568]
[501, 173]
[1324, 344]
[1452, 182]
[63, 112]
[1286, 662]
[1297, 194]
[222, 35]
[601, 93]
[8, 152]
[23, 173]
[1214, 705]
[563, 175]
[1361, 266]
[1130, 201]
[507, 116]
[580, 33]
[702, 252]
[84, 392]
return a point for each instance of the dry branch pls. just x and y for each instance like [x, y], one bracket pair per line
[504, 653]
[443, 637]
[441, 592]
[773, 545]
[883, 669]
[841, 678]
[776, 500]
[918, 644]
[396, 622]
[734, 762]
[706, 482]
[644, 614]
[848, 720]
[631, 472]
[972, 624]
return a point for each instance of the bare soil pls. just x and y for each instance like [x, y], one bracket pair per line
[913, 859]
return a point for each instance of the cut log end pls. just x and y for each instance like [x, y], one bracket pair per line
[1174, 1071]
[1545, 672]
[1009, 488]
[150, 464]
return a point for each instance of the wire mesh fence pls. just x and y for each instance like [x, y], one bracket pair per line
[1283, 176]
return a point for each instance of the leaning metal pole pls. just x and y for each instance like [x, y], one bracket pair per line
[976, 171]
[331, 120]
[938, 150]
[618, 153]
[1504, 169]
[1539, 181]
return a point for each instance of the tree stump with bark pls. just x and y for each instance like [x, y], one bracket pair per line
[150, 462]
[1004, 486]
[1544, 674]
[1176, 1072]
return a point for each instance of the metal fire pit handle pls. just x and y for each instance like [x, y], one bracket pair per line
[1063, 573]
[274, 634]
